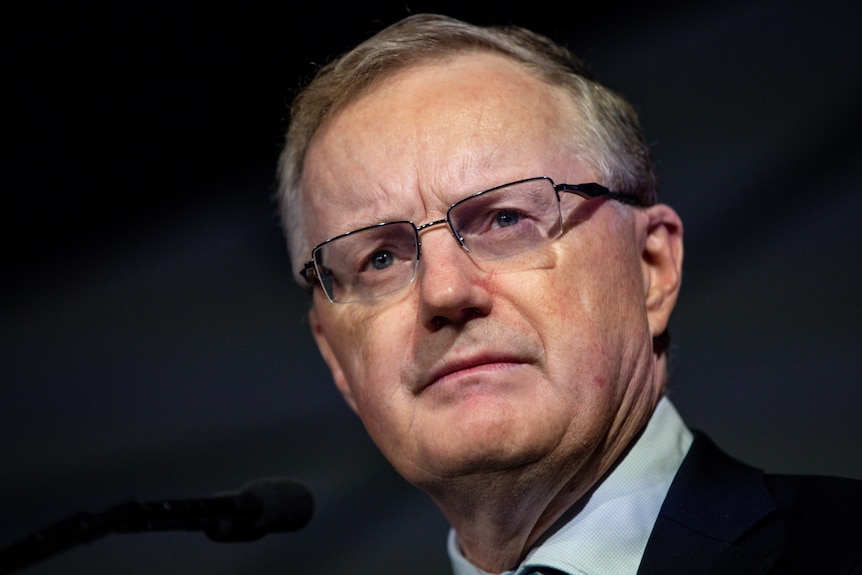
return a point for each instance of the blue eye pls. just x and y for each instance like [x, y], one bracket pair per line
[381, 260]
[505, 218]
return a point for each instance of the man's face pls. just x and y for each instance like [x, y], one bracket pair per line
[475, 368]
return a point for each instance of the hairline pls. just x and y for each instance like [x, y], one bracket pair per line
[580, 88]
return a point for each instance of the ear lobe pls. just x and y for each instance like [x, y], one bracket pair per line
[322, 340]
[662, 265]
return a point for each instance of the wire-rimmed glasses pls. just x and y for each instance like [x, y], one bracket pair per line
[499, 223]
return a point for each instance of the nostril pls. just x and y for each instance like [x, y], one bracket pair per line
[467, 314]
[472, 312]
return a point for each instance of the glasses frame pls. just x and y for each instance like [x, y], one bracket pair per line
[587, 191]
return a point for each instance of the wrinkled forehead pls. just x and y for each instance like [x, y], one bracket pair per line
[330, 211]
[428, 136]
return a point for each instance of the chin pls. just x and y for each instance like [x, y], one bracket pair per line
[477, 460]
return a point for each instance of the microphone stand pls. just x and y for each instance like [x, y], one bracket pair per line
[264, 506]
[75, 530]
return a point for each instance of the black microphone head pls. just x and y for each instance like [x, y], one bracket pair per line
[283, 505]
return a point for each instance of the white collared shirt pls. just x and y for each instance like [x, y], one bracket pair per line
[608, 536]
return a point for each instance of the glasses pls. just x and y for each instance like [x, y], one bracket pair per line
[497, 224]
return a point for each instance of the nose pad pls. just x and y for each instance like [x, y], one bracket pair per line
[442, 245]
[451, 285]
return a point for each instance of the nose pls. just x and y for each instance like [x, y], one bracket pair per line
[452, 288]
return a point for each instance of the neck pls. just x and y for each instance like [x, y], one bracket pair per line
[500, 516]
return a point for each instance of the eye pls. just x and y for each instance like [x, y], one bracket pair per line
[381, 260]
[384, 258]
[506, 218]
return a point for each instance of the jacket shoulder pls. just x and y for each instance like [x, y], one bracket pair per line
[724, 516]
[821, 517]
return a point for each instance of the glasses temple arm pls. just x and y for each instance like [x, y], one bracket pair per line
[593, 190]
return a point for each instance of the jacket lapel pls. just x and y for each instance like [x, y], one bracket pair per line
[713, 502]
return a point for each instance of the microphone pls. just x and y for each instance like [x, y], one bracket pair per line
[262, 506]
[267, 505]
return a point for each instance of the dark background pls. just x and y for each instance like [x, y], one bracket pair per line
[152, 344]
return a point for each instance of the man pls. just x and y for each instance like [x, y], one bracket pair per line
[492, 279]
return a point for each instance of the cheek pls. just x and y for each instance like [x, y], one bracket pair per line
[589, 306]
[371, 349]
[602, 273]
[377, 361]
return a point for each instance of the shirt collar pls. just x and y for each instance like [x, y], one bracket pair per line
[609, 533]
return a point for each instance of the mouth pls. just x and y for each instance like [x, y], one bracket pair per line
[471, 367]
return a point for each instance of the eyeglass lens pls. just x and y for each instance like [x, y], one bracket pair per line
[495, 224]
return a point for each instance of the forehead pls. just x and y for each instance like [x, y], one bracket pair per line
[429, 135]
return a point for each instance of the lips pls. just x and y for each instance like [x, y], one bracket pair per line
[475, 364]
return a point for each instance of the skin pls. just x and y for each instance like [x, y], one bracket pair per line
[503, 391]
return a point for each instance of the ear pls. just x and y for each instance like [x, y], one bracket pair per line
[322, 339]
[661, 262]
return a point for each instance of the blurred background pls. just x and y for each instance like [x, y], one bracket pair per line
[153, 346]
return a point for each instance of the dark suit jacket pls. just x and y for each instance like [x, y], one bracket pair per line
[723, 517]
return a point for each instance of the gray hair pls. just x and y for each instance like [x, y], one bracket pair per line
[611, 140]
